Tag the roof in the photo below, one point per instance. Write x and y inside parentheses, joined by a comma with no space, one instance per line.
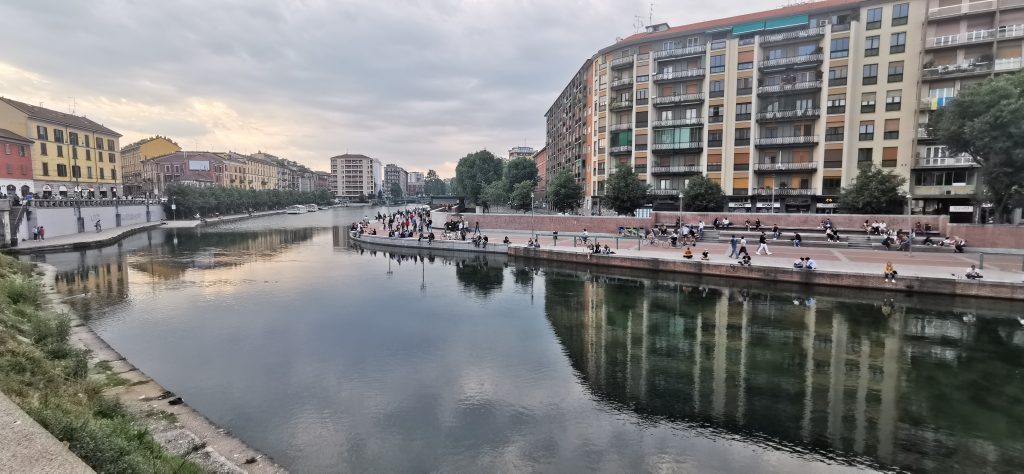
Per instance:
(354,155)
(810,7)
(146,140)
(191,155)
(14,137)
(59,118)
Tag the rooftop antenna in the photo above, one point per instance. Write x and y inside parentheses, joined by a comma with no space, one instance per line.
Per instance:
(638,23)
(72,106)
(650,14)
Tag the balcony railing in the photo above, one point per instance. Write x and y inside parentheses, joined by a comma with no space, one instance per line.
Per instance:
(615,127)
(679,52)
(798,86)
(681,122)
(666,192)
(955,10)
(791,60)
(922,133)
(1008,64)
(621,104)
(795,140)
(615,150)
(678,99)
(953,190)
(976,36)
(668,76)
(624,61)
(785,191)
(948,161)
(794,35)
(679,169)
(953,70)
(677,146)
(626,81)
(789,114)
(803,166)
(1010,31)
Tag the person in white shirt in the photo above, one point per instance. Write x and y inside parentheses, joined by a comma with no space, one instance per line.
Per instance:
(810,264)
(973,273)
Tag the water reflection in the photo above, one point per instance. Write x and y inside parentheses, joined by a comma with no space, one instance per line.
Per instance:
(907,386)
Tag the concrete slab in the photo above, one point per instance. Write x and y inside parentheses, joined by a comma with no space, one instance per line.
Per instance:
(25,446)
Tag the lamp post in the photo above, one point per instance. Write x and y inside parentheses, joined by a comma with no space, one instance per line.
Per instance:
(533,220)
(77,172)
(773,194)
(680,203)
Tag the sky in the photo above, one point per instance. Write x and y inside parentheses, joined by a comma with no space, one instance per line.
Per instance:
(417,83)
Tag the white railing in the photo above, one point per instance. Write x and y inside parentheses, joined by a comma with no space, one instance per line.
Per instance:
(678,52)
(676,146)
(1007,64)
(621,61)
(797,86)
(803,58)
(666,192)
(808,33)
(954,190)
(786,114)
(1010,31)
(627,81)
(796,140)
(676,169)
(953,10)
(682,122)
(1011,3)
(956,69)
(619,126)
(621,149)
(665,76)
(959,160)
(621,104)
(785,191)
(962,38)
(672,99)
(791,166)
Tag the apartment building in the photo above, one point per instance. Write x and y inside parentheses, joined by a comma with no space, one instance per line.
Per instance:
(356,176)
(568,130)
(782,107)
(132,157)
(71,153)
(417,181)
(394,174)
(541,160)
(521,152)
(15,164)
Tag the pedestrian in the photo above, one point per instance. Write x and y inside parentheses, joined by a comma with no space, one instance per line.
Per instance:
(700,227)
(476,229)
(763,244)
(42,233)
(775,232)
(743,248)
(890,272)
(796,239)
(732,246)
(35,233)
(584,236)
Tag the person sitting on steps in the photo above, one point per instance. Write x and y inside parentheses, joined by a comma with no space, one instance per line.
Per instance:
(688,254)
(890,272)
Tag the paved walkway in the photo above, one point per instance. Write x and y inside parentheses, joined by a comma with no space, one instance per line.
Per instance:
(25,446)
(83,239)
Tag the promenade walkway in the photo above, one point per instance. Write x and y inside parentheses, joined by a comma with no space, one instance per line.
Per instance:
(89,238)
(28,447)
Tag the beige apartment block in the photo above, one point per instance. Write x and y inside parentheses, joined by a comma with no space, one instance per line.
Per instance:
(132,158)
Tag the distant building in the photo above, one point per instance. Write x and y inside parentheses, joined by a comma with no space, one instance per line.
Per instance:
(417,181)
(132,157)
(322,181)
(541,160)
(15,164)
(356,176)
(193,168)
(396,174)
(521,152)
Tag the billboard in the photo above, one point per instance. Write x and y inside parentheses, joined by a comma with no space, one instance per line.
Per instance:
(198,165)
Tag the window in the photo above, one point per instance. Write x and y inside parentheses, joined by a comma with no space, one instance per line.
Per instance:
(834,134)
(717,44)
(840,48)
(113,174)
(41,132)
(870,74)
(46,169)
(717,88)
(715,114)
(836,104)
(102,172)
(88,172)
(900,12)
(85,139)
(641,96)
(693,41)
(641,122)
(833,159)
(745,65)
(837,76)
(58,135)
(42,149)
(714,138)
(60,151)
(643,78)
(99,143)
(88,154)
(717,63)
(73,137)
(99,156)
(867,102)
(893,100)
(895,71)
(874,18)
(897,43)
(76,171)
(744,85)
(864,156)
(110,156)
(21,150)
(892,129)
(62,170)
(867,130)
(890,155)
(743,111)
(742,136)
(871,45)
(7,148)
(74,153)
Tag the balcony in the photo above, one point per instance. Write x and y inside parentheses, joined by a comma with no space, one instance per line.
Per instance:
(959,161)
(784,166)
(1008,64)
(795,87)
(789,114)
(970,37)
(680,169)
(953,190)
(666,192)
(957,70)
(793,35)
(678,99)
(676,75)
(679,52)
(1010,31)
(621,83)
(784,192)
(682,122)
(615,127)
(621,104)
(787,141)
(621,150)
(962,9)
(795,61)
(622,62)
(922,133)
(677,146)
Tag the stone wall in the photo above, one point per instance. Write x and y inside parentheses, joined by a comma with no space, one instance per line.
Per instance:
(60,221)
(847,222)
(989,235)
(448,245)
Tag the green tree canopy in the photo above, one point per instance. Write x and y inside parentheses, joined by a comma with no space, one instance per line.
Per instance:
(522,196)
(434,185)
(396,191)
(520,169)
(564,193)
(874,191)
(624,192)
(703,195)
(494,194)
(205,201)
(475,171)
(986,121)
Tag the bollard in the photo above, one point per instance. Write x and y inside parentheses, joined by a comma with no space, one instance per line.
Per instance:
(616,243)
(981,261)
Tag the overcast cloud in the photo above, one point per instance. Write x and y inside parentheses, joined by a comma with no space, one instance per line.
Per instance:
(418,83)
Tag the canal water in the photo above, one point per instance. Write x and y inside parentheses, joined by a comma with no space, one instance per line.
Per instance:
(332,357)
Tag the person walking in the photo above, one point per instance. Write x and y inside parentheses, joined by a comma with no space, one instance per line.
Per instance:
(763,244)
(42,233)
(732,246)
(35,233)
(743,248)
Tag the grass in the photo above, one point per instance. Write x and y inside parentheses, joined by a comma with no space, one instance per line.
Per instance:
(51,380)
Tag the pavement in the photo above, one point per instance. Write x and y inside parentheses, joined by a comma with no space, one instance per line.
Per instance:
(87,238)
(28,447)
(1006,268)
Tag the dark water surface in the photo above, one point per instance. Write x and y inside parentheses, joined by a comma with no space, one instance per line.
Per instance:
(334,358)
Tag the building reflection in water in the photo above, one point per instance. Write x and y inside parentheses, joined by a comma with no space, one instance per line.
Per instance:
(920,389)
(89,287)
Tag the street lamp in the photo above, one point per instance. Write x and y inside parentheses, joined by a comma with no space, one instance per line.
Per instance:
(533,221)
(680,202)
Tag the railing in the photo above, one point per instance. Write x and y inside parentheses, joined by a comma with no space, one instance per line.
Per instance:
(957,69)
(620,126)
(790,35)
(922,133)
(954,10)
(679,122)
(1007,64)
(674,99)
(791,60)
(958,160)
(667,76)
(795,140)
(621,104)
(1011,3)
(969,37)
(785,192)
(797,86)
(1010,31)
(622,61)
(72,202)
(621,149)
(626,81)
(677,146)
(676,169)
(666,192)
(788,114)
(784,166)
(679,52)
(953,190)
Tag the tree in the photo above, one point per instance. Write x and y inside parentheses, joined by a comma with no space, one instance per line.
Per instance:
(396,191)
(986,121)
(703,195)
(624,192)
(874,191)
(434,185)
(522,196)
(475,171)
(519,170)
(564,192)
(494,194)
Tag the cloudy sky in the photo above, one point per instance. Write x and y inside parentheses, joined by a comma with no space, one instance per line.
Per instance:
(418,83)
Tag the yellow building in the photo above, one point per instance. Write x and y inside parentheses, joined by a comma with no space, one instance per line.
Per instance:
(257,172)
(132,156)
(70,152)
